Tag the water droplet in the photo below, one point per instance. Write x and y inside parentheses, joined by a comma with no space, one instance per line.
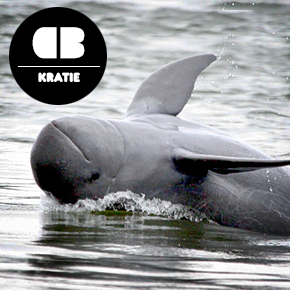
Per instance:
(271,189)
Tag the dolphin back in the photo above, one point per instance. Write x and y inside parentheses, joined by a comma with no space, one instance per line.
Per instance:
(168,89)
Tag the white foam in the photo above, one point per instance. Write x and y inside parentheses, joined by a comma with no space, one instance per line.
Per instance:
(127,200)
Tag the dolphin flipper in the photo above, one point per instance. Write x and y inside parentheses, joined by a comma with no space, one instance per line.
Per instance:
(191,163)
(168,89)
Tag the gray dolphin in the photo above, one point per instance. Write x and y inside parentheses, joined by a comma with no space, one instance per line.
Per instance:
(153,152)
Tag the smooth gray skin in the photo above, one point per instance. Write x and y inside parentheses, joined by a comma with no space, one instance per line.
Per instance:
(153,152)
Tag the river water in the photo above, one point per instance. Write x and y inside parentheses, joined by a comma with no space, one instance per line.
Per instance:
(246,93)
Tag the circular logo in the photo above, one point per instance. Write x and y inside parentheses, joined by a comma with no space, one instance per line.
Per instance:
(58,56)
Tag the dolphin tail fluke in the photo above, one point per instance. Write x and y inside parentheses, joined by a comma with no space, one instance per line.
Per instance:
(191,163)
(168,89)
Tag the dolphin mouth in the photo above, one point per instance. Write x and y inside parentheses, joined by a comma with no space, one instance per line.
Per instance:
(74,145)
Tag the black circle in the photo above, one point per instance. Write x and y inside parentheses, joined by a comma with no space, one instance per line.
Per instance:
(58,79)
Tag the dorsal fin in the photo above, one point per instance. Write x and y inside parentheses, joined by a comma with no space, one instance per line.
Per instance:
(167,90)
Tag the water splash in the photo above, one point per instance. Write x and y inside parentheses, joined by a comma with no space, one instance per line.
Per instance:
(124,200)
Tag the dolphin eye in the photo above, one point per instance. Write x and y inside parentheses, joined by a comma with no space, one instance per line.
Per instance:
(94,177)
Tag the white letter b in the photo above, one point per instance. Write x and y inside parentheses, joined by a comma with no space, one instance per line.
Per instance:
(70,42)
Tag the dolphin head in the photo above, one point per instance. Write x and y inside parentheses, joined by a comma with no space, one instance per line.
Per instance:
(77,157)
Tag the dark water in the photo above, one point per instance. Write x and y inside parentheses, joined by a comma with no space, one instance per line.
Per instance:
(246,93)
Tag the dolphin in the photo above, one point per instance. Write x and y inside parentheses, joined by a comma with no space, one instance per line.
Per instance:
(153,152)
